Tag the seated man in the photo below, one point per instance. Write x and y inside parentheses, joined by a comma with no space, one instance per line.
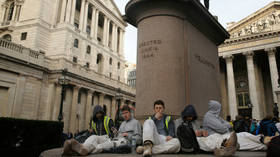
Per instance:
(102,128)
(130,128)
(158,133)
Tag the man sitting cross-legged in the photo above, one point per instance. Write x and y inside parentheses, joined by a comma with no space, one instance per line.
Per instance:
(158,133)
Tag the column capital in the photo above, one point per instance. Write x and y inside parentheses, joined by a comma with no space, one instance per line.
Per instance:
(90,91)
(248,53)
(271,50)
(77,87)
(228,57)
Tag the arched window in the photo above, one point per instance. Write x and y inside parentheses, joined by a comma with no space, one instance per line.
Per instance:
(119,65)
(76,43)
(110,61)
(99,62)
(7,37)
(88,49)
(11,10)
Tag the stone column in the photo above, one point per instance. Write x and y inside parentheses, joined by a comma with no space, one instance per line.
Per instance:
(273,71)
(50,101)
(104,40)
(252,85)
(96,24)
(19,96)
(68,11)
(231,87)
(82,15)
(113,45)
(121,42)
(57,102)
(88,108)
(73,112)
(63,8)
(114,108)
(278,99)
(85,18)
(108,32)
(55,15)
(92,25)
(73,11)
(101,99)
(4,10)
(67,109)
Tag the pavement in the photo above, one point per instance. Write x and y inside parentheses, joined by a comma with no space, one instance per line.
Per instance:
(57,153)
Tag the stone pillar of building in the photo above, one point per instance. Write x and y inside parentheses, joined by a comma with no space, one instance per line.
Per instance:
(114,107)
(19,96)
(73,11)
(121,42)
(256,113)
(278,99)
(231,87)
(273,71)
(85,17)
(82,15)
(113,45)
(4,10)
(88,108)
(104,40)
(68,11)
(73,112)
(56,102)
(101,99)
(96,24)
(62,14)
(67,109)
(92,25)
(50,101)
(39,91)
(108,32)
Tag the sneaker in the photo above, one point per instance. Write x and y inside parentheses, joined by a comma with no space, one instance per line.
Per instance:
(232,141)
(140,150)
(79,148)
(147,149)
(225,151)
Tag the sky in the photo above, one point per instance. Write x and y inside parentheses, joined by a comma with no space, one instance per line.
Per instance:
(226,10)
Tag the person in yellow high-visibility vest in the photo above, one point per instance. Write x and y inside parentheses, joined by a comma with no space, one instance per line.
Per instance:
(158,133)
(102,128)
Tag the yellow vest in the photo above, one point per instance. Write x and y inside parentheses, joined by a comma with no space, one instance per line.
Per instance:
(106,125)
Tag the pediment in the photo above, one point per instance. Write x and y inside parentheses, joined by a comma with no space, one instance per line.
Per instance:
(111,5)
(264,20)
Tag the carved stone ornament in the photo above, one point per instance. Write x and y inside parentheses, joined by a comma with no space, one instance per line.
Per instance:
(263,24)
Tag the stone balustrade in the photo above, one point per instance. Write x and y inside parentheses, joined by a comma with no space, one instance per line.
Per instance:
(20,52)
(89,74)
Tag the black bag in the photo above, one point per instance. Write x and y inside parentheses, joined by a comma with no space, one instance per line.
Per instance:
(82,136)
(187,138)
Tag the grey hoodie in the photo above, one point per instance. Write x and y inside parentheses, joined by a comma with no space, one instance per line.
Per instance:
(133,128)
(212,122)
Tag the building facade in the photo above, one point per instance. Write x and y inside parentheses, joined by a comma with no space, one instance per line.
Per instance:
(130,74)
(48,43)
(249,63)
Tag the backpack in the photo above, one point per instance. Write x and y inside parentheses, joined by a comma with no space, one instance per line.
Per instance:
(187,138)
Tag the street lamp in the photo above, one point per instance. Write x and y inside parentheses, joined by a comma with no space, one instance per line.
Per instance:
(63,81)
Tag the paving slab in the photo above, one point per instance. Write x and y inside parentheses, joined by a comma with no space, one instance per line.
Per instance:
(57,153)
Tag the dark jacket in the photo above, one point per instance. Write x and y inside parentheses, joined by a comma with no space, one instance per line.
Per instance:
(189,111)
(171,128)
(240,126)
(100,123)
(267,127)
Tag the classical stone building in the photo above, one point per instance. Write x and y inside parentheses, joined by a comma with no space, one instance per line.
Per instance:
(130,74)
(49,42)
(249,63)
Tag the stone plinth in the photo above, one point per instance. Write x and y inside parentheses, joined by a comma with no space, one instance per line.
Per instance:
(177,55)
